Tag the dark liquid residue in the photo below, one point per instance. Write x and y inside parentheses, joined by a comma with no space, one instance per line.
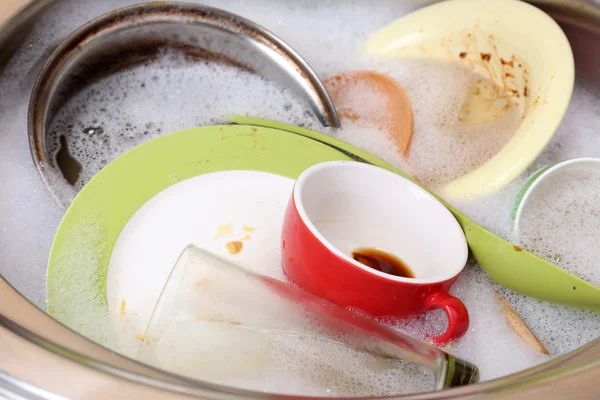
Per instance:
(68,165)
(382,261)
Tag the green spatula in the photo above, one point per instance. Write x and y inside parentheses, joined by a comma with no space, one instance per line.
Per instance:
(507,264)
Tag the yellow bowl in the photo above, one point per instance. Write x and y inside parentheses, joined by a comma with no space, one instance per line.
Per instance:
(517,46)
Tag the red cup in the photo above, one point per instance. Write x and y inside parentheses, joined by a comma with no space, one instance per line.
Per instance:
(340,206)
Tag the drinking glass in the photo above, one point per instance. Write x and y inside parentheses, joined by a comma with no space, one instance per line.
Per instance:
(220,323)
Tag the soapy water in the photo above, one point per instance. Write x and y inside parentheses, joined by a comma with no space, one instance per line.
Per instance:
(103,120)
(569,235)
(442,148)
(327,36)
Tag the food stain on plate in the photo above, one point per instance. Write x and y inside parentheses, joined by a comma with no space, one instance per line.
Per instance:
(223,230)
(122,308)
(234,247)
(375,99)
(485,102)
(504,83)
(201,284)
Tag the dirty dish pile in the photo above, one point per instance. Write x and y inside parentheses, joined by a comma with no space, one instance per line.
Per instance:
(420,115)
(215,187)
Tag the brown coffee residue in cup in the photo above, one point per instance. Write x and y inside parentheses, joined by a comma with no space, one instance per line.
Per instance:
(382,261)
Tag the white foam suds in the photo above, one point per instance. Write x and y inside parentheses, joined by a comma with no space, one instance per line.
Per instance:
(328,36)
(123,110)
(560,221)
(442,148)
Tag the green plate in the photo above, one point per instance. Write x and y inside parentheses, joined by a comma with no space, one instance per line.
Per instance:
(76,288)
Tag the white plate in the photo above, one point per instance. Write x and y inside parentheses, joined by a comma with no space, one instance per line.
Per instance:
(209,211)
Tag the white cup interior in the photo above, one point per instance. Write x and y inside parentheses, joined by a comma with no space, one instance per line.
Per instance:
(351,205)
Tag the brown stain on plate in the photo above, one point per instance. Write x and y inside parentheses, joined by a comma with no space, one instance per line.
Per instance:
(201,284)
(223,230)
(507,78)
(234,247)
(517,248)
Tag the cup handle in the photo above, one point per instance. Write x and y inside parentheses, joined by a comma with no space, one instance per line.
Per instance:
(458,316)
